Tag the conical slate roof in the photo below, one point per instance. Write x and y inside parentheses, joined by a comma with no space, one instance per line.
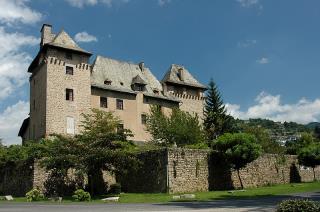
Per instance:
(173,75)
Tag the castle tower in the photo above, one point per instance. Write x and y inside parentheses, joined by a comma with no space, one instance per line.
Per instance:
(60,86)
(179,83)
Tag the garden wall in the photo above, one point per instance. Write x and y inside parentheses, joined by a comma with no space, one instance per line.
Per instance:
(173,170)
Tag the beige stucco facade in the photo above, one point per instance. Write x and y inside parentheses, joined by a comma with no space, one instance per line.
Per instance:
(53,110)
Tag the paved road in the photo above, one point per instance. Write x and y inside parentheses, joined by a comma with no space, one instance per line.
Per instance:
(258,204)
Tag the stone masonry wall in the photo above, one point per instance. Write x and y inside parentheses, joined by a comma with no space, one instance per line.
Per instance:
(187,170)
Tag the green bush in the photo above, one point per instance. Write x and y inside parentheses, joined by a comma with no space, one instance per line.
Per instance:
(34,195)
(115,188)
(298,205)
(81,195)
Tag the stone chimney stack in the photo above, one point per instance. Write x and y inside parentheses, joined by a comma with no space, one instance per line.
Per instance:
(46,34)
(181,73)
(141,66)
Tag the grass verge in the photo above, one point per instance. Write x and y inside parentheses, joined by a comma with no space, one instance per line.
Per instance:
(204,196)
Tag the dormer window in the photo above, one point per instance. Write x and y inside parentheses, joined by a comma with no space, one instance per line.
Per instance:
(138,83)
(155,91)
(69,70)
(107,82)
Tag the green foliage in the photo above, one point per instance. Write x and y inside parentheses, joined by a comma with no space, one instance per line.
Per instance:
(263,138)
(317,132)
(81,195)
(293,147)
(310,156)
(98,147)
(298,205)
(216,120)
(237,150)
(34,195)
(180,128)
(115,188)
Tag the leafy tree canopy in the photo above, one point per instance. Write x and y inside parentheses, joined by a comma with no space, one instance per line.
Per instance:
(238,150)
(180,128)
(310,156)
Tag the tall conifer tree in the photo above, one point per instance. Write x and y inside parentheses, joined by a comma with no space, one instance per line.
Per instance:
(216,120)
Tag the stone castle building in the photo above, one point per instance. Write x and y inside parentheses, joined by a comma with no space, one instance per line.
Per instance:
(63,85)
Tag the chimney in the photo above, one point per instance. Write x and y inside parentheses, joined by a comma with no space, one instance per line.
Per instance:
(141,66)
(46,34)
(181,73)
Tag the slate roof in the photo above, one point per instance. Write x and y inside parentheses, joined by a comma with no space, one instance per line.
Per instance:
(173,76)
(63,40)
(123,74)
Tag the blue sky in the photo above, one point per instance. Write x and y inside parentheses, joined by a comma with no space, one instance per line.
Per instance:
(263,54)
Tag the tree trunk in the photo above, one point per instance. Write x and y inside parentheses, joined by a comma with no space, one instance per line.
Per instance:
(314,174)
(240,178)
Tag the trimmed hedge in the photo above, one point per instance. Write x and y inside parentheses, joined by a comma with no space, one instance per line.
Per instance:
(298,205)
(81,195)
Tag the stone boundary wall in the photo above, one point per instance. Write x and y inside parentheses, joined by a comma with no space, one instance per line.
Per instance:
(173,170)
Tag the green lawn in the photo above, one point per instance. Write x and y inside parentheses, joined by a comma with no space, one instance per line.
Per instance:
(207,196)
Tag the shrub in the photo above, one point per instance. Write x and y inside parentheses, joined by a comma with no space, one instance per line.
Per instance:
(298,205)
(34,195)
(81,195)
(115,188)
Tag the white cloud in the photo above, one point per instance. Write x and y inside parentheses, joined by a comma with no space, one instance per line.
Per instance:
(10,121)
(163,2)
(85,37)
(263,60)
(248,3)
(16,11)
(13,61)
(247,43)
(270,107)
(83,3)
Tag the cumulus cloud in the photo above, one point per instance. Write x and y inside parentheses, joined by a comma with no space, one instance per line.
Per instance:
(83,3)
(247,43)
(263,60)
(85,37)
(270,107)
(248,3)
(13,61)
(16,11)
(10,121)
(163,2)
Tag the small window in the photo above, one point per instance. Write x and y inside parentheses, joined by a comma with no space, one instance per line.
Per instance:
(34,104)
(119,104)
(69,70)
(107,82)
(143,118)
(103,102)
(139,87)
(69,55)
(156,92)
(69,94)
(70,125)
(120,128)
(121,83)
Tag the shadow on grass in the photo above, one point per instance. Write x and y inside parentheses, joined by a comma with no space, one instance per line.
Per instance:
(258,202)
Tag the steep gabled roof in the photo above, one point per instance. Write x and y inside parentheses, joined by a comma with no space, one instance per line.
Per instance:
(63,40)
(173,75)
(123,74)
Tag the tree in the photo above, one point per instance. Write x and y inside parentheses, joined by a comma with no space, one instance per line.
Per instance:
(99,146)
(216,120)
(317,132)
(310,156)
(238,150)
(293,147)
(180,128)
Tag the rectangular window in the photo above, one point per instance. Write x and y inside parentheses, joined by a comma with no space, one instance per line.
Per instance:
(69,55)
(120,128)
(143,118)
(69,94)
(70,125)
(119,104)
(103,102)
(69,70)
